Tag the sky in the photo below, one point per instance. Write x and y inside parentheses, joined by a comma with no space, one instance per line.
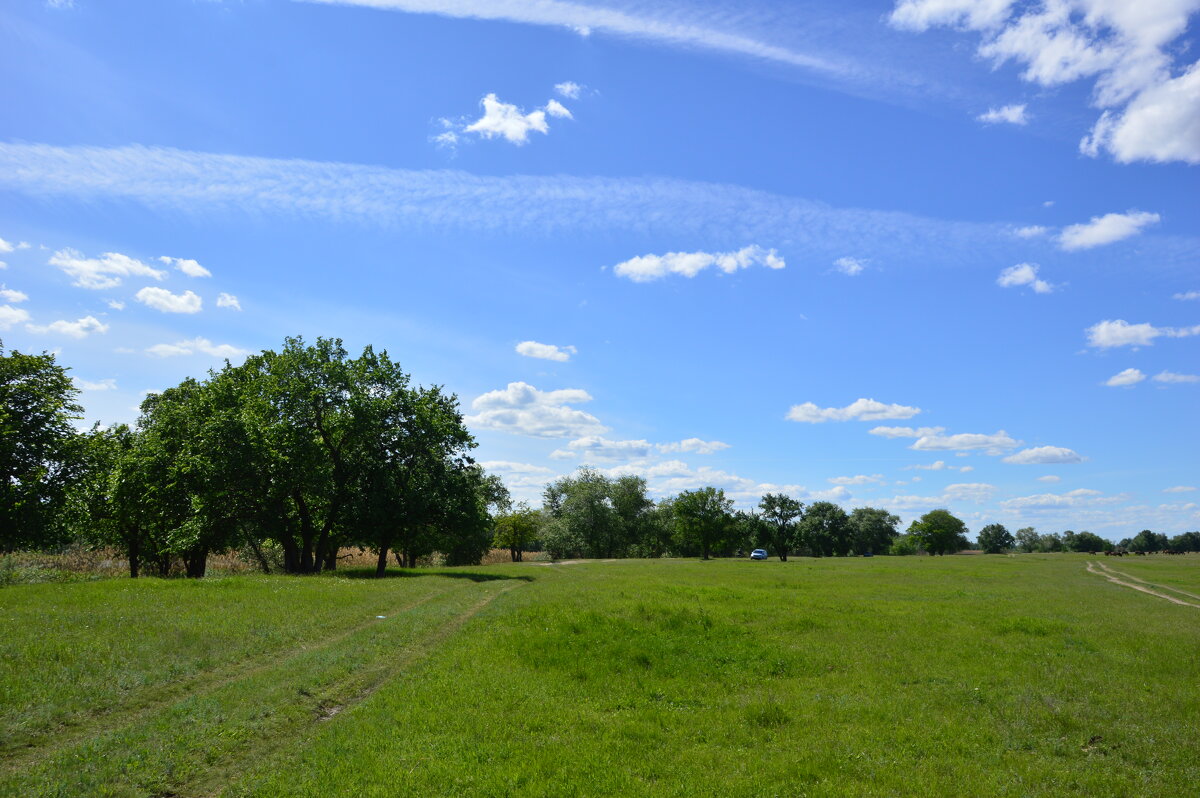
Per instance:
(907,254)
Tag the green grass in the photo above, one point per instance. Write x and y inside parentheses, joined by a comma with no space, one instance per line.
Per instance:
(886,676)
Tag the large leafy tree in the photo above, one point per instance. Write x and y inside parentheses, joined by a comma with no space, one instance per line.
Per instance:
(40,451)
(516,529)
(779,514)
(703,519)
(825,529)
(872,530)
(1028,540)
(995,539)
(939,532)
(587,521)
(1142,541)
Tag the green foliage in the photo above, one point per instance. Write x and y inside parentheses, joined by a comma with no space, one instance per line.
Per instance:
(516,529)
(1188,541)
(905,546)
(1085,542)
(825,530)
(939,532)
(1147,541)
(995,539)
(591,515)
(872,530)
(39,450)
(704,520)
(779,531)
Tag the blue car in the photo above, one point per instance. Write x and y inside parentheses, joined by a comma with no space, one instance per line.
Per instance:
(758,554)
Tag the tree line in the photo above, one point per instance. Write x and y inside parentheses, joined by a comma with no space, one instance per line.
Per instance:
(295,455)
(303,451)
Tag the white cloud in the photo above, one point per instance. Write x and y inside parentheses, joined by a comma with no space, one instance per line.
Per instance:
(228,301)
(1180,489)
(1032,231)
(545,351)
(711,31)
(9,295)
(1010,114)
(1187,296)
(857,479)
(1049,478)
(164,300)
(976,492)
(196,345)
(510,467)
(80,328)
(1175,378)
(1126,377)
(858,410)
(557,109)
(109,384)
(601,449)
(694,446)
(447,139)
(1151,111)
(569,89)
(10,316)
(1050,501)
(524,410)
(1044,455)
(189,267)
(939,465)
(1107,334)
(507,121)
(1106,229)
(850,266)
(115,304)
(1161,124)
(645,268)
(1024,274)
(906,432)
(103,272)
(5,247)
(993,444)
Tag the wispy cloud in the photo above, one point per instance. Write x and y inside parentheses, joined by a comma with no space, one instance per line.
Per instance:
(81,328)
(1111,333)
(1024,274)
(709,32)
(1008,114)
(858,410)
(646,268)
(194,346)
(724,215)
(1106,229)
(560,354)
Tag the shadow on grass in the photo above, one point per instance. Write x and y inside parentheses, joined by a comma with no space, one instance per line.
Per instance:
(398,573)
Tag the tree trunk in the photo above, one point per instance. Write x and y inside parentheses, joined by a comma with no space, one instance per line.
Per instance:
(258,555)
(195,563)
(291,555)
(331,559)
(134,552)
(381,563)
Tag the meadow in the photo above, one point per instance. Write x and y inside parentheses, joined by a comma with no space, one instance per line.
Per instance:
(981,675)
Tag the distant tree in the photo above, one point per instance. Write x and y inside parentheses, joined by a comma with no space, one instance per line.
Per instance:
(1148,541)
(583,503)
(825,529)
(1086,542)
(516,529)
(39,448)
(1027,539)
(872,530)
(939,532)
(634,511)
(1188,541)
(995,539)
(779,529)
(905,545)
(703,519)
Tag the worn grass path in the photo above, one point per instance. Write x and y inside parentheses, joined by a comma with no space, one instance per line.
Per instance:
(1013,676)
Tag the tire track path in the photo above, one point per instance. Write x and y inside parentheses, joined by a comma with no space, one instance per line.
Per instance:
(1145,587)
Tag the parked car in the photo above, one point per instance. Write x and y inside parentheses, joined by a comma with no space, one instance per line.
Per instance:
(758,554)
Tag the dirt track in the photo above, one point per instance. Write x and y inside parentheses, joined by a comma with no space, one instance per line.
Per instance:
(1119,578)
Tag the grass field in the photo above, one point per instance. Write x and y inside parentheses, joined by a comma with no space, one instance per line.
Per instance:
(995,675)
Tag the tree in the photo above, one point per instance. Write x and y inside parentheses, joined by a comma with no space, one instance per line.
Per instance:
(516,529)
(1085,542)
(872,530)
(1027,540)
(995,539)
(1187,541)
(779,514)
(596,516)
(703,518)
(39,448)
(939,532)
(825,528)
(1147,541)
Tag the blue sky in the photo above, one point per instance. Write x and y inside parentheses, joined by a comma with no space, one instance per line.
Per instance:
(907,254)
